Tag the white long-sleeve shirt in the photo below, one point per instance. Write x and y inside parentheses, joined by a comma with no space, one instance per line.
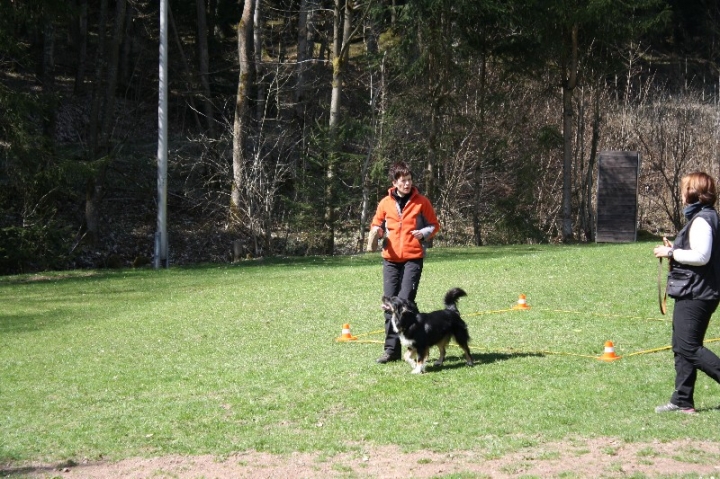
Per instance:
(701,240)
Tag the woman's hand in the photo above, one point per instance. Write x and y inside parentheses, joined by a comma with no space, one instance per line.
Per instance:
(663,250)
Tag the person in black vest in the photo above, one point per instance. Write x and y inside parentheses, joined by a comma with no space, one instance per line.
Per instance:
(694,283)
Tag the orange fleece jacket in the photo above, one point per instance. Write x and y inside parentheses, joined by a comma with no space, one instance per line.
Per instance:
(399,244)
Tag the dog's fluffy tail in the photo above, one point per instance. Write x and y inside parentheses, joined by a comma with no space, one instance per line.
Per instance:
(451,298)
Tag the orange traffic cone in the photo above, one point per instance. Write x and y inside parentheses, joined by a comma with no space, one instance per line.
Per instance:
(522,303)
(346,336)
(609,354)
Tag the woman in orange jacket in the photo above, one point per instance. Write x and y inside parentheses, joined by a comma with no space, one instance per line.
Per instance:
(405,220)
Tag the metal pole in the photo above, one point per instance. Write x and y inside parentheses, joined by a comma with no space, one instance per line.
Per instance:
(161,239)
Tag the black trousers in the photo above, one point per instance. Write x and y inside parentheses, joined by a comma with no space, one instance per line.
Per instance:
(690,322)
(402,280)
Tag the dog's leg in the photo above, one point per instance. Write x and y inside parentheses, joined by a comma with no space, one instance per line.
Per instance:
(421,360)
(462,337)
(468,357)
(442,346)
(409,354)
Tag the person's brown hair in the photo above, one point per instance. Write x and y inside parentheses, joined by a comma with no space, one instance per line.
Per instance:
(699,187)
(398,170)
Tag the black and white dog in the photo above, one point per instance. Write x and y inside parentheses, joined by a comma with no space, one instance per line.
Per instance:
(421,331)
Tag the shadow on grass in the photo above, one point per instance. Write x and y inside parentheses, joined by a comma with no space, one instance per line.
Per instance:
(21,323)
(436,254)
(708,409)
(489,358)
(455,362)
(33,471)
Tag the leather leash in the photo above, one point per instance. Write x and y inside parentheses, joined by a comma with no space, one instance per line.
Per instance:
(662,298)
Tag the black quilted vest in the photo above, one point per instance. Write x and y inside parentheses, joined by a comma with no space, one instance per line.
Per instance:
(705,279)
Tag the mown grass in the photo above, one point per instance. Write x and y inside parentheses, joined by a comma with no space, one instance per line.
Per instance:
(219,359)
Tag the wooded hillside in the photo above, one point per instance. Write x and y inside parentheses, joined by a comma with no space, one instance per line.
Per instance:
(286,114)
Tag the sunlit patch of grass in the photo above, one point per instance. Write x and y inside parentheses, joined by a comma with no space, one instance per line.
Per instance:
(548,455)
(692,455)
(647,452)
(568,475)
(610,451)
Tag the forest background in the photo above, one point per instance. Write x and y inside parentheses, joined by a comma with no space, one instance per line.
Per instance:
(285,115)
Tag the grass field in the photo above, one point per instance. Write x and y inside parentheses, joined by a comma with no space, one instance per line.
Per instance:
(225,358)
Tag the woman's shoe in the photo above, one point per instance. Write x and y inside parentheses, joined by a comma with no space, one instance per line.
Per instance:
(387,357)
(670,407)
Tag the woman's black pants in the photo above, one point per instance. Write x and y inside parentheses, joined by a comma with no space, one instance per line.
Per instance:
(690,322)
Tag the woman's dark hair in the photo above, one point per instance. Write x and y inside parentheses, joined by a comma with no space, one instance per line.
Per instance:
(699,187)
(398,170)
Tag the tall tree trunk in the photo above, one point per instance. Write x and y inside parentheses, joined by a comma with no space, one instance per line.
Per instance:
(94,182)
(112,73)
(302,58)
(376,120)
(211,21)
(371,36)
(305,55)
(48,73)
(342,34)
(569,84)
(347,29)
(240,124)
(588,219)
(100,58)
(477,170)
(337,63)
(126,55)
(259,67)
(204,56)
(81,40)
(189,73)
(437,45)
(312,6)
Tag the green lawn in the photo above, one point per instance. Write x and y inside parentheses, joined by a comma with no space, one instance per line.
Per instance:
(219,359)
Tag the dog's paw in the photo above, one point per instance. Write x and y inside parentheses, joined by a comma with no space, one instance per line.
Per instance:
(470,363)
(438,363)
(417,370)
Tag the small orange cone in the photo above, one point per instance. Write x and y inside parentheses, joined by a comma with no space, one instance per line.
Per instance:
(346,336)
(609,353)
(522,303)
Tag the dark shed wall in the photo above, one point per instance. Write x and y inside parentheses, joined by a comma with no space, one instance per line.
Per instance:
(617,203)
